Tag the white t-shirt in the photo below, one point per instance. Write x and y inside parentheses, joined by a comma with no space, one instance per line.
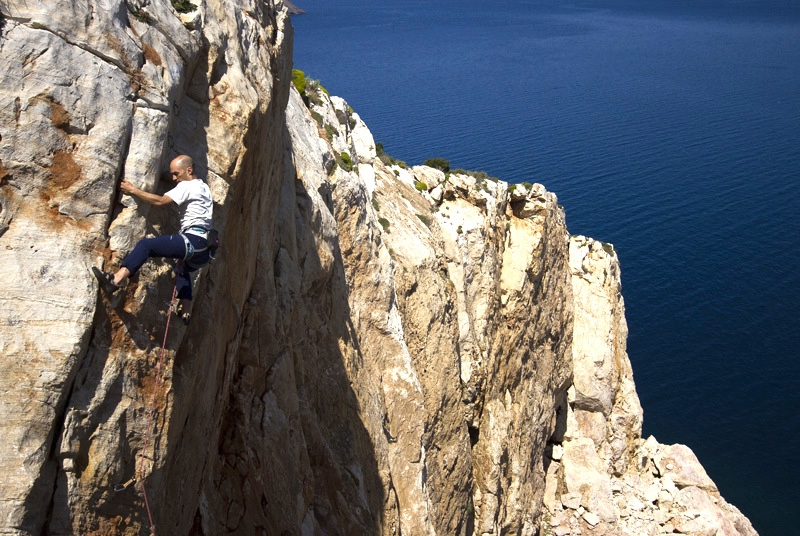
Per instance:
(194,199)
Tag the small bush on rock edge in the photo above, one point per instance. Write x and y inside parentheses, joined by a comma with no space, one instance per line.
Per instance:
(380,153)
(312,91)
(345,162)
(142,16)
(330,131)
(299,80)
(183,6)
(438,163)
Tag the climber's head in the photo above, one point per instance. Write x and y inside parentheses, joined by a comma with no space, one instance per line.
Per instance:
(182,168)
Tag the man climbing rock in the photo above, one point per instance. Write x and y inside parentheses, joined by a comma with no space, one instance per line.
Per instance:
(190,245)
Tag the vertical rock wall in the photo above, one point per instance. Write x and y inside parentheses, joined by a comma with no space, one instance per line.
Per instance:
(602,477)
(92,92)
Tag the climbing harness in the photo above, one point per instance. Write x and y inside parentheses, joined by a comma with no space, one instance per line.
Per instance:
(190,249)
(150,413)
(212,243)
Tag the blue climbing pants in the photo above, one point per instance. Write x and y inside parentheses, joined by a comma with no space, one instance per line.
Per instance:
(170,247)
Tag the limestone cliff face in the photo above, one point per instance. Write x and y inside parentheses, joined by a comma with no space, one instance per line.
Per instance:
(367,355)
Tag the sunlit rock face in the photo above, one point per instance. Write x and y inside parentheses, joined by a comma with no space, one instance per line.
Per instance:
(377,349)
(92,92)
(602,477)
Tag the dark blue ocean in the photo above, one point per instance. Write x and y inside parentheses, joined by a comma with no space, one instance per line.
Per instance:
(670,128)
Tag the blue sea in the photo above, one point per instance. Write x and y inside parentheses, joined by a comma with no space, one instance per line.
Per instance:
(670,128)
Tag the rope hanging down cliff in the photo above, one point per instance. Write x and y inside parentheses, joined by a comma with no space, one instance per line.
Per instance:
(139,475)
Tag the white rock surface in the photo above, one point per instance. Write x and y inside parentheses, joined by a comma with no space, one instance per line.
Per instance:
(654,488)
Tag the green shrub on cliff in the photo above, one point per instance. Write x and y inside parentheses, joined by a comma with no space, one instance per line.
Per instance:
(438,163)
(308,88)
(142,16)
(479,175)
(299,80)
(330,131)
(388,160)
(183,6)
(312,91)
(345,162)
(379,152)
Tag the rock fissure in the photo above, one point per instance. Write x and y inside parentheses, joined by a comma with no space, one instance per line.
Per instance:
(119,64)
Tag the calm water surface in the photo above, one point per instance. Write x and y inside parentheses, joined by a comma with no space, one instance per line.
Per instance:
(668,128)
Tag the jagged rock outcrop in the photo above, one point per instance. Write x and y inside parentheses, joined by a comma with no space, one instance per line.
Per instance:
(602,478)
(376,350)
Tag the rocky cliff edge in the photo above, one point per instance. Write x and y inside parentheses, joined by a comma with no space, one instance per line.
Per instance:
(376,350)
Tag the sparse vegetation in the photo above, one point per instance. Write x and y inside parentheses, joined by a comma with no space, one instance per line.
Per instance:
(479,175)
(385,158)
(384,223)
(344,161)
(308,87)
(299,80)
(317,117)
(375,204)
(420,186)
(438,163)
(330,132)
(424,219)
(142,16)
(183,6)
(312,91)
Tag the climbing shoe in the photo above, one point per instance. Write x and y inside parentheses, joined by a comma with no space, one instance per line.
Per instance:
(183,313)
(106,280)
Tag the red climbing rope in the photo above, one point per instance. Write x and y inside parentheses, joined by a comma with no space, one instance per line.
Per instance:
(151,411)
